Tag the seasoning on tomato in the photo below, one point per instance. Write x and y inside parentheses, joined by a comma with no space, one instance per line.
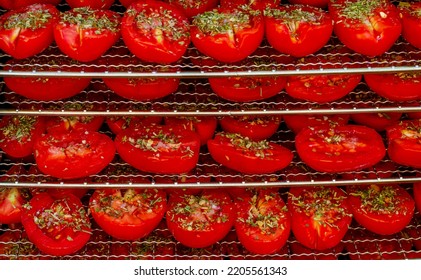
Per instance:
(19,133)
(57,225)
(251,4)
(297,30)
(247,156)
(159,149)
(93,4)
(194,7)
(340,148)
(382,209)
(320,216)
(74,154)
(16,4)
(410,13)
(27,31)
(404,143)
(299,122)
(227,35)
(256,128)
(128,214)
(204,126)
(85,34)
(315,3)
(263,223)
(368,27)
(155,31)
(45,88)
(377,121)
(200,220)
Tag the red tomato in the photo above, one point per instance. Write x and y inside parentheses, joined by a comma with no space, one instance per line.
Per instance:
(227,35)
(128,214)
(93,4)
(410,14)
(155,31)
(194,7)
(74,154)
(320,216)
(12,199)
(399,86)
(159,149)
(85,34)
(127,3)
(417,195)
(56,225)
(256,128)
(253,4)
(250,157)
(263,223)
(16,4)
(365,26)
(45,88)
(315,3)
(27,31)
(204,126)
(19,133)
(404,146)
(297,30)
(201,220)
(377,121)
(299,122)
(322,88)
(340,148)
(414,115)
(382,209)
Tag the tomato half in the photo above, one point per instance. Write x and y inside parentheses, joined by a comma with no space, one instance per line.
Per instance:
(93,4)
(320,216)
(204,126)
(404,143)
(58,225)
(410,14)
(377,121)
(263,223)
(299,122)
(297,30)
(365,26)
(19,133)
(128,214)
(200,220)
(85,34)
(382,209)
(45,88)
(27,31)
(155,31)
(159,149)
(256,128)
(227,35)
(252,4)
(16,4)
(194,7)
(315,3)
(340,148)
(250,157)
(74,154)
(12,199)
(417,195)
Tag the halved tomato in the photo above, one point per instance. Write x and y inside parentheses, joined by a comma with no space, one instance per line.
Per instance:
(252,4)
(256,128)
(204,126)
(377,121)
(193,7)
(299,122)
(410,14)
(315,3)
(93,4)
(16,4)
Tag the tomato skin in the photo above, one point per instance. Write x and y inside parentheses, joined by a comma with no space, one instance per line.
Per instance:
(19,133)
(206,226)
(93,4)
(299,122)
(204,126)
(26,41)
(297,36)
(257,128)
(109,208)
(230,150)
(74,154)
(315,3)
(222,46)
(253,4)
(192,8)
(396,87)
(155,43)
(340,148)
(268,238)
(164,157)
(381,209)
(417,195)
(377,121)
(323,225)
(404,145)
(81,40)
(62,239)
(373,33)
(16,4)
(411,23)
